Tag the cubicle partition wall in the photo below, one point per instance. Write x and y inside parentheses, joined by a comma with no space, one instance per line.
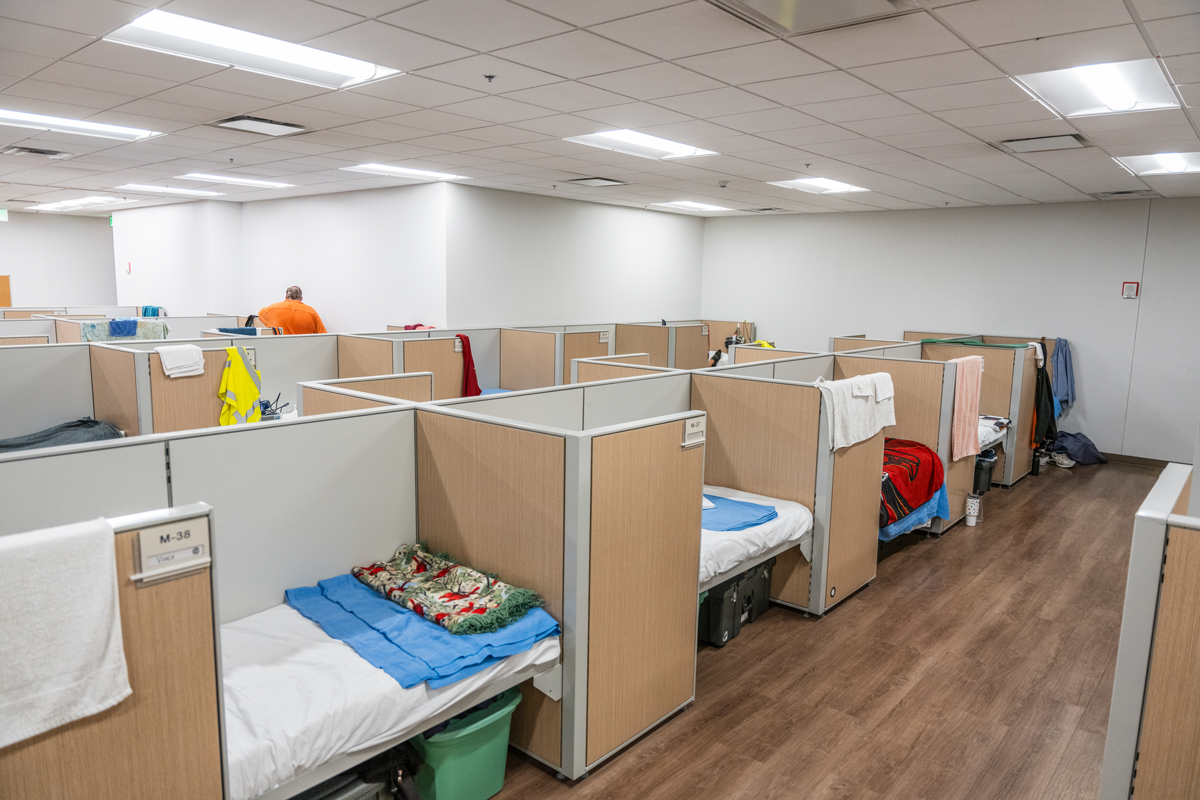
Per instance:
(746,353)
(841,344)
(44,385)
(720,330)
(67,329)
(678,346)
(589,370)
(917,336)
(353,394)
(40,329)
(27,312)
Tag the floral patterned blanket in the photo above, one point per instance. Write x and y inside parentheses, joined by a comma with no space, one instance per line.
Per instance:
(458,598)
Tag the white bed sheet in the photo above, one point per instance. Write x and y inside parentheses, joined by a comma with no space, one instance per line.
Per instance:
(988,436)
(724,550)
(296,698)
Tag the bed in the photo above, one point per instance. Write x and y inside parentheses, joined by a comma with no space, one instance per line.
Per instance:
(913,489)
(724,554)
(79,431)
(992,430)
(297,699)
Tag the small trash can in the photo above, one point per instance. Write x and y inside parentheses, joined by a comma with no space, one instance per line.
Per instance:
(466,761)
(720,614)
(985,462)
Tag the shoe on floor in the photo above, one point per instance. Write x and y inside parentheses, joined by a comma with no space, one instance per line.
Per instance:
(1063,460)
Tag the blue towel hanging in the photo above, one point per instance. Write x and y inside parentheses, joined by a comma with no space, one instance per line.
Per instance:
(122,327)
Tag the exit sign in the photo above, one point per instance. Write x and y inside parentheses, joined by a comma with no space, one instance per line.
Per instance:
(3,215)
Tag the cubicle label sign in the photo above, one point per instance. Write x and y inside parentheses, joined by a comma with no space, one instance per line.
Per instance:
(603,337)
(174,544)
(457,345)
(693,431)
(704,329)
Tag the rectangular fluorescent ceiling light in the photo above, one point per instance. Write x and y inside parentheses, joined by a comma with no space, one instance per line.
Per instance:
(1043,143)
(267,127)
(404,172)
(1116,88)
(173,34)
(200,176)
(688,205)
(38,122)
(1161,163)
(819,186)
(139,187)
(75,205)
(639,144)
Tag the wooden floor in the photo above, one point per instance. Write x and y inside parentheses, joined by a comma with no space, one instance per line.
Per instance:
(978,665)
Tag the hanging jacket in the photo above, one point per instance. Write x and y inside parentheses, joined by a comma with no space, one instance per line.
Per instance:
(470,387)
(1044,425)
(1064,372)
(241,385)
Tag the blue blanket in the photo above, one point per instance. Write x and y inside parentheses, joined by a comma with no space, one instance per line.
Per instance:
(734,515)
(242,331)
(404,644)
(122,326)
(496,391)
(937,506)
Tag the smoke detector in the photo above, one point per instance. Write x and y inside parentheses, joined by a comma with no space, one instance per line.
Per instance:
(13,150)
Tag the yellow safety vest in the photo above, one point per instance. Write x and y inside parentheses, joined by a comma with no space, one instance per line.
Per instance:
(764,343)
(241,386)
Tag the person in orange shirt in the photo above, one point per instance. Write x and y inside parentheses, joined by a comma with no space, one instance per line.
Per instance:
(292,316)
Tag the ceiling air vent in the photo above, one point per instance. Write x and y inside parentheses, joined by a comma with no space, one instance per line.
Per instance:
(266,127)
(57,155)
(792,17)
(596,182)
(1133,194)
(1043,143)
(762,210)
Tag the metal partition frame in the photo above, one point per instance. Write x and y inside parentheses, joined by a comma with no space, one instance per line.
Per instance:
(1142,590)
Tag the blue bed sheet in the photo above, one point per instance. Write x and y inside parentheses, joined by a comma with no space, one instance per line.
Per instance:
(404,644)
(496,391)
(937,506)
(734,515)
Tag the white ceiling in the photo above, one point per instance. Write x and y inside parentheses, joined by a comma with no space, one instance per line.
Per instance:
(903,107)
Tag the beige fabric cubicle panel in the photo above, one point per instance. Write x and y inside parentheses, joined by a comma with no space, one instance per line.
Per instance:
(720,330)
(1023,450)
(591,371)
(161,741)
(641,359)
(762,437)
(916,336)
(114,388)
(918,387)
(995,394)
(652,339)
(691,347)
(417,388)
(841,345)
(5,291)
(1049,343)
(854,518)
(360,358)
(66,332)
(12,340)
(26,314)
(436,356)
(526,359)
(184,404)
(586,344)
(745,355)
(317,402)
(645,533)
(1167,767)
(492,497)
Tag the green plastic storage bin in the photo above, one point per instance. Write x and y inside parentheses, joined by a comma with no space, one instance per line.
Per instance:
(466,761)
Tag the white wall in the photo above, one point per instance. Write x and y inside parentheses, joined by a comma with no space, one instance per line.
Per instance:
(57,260)
(1052,270)
(363,259)
(186,257)
(523,259)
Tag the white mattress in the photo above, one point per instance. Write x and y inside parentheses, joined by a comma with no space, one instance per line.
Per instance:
(988,436)
(296,698)
(723,550)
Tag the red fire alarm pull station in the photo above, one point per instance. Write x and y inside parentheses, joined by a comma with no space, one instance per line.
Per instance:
(1129,290)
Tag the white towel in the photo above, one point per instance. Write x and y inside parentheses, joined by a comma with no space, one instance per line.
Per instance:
(181,360)
(856,418)
(61,627)
(1041,355)
(876,385)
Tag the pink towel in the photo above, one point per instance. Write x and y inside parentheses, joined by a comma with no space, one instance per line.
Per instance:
(964,436)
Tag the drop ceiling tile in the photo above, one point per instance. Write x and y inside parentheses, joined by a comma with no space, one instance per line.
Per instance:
(342,141)
(754,63)
(1084,158)
(563,125)
(357,105)
(504,135)
(816,134)
(775,119)
(988,22)
(1157,9)
(307,116)
(16,66)
(940,152)
(1024,111)
(965,95)
(499,110)
(893,126)
(389,46)
(872,107)
(478,24)
(438,121)
(653,80)
(448,142)
(505,153)
(1158,140)
(470,72)
(922,73)
(91,17)
(848,147)
(1184,69)
(692,131)
(634,115)
(64,94)
(1175,36)
(1089,181)
(986,166)
(384,131)
(40,40)
(716,102)
(684,30)
(155,109)
(912,141)
(417,91)
(746,146)
(1191,94)
(291,20)
(576,55)
(904,37)
(1021,130)
(368,8)
(585,13)
(254,84)
(817,88)
(223,103)
(1175,185)
(1143,119)
(392,149)
(882,157)
(135,60)
(1124,43)
(568,96)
